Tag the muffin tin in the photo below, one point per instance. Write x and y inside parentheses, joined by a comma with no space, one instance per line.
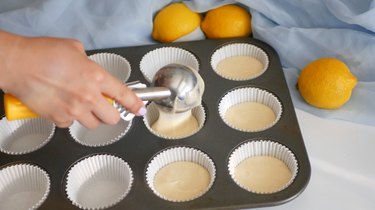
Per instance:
(136,146)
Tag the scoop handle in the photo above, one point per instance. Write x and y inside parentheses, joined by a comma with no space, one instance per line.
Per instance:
(16,110)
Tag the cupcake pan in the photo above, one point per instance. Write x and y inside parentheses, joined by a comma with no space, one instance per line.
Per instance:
(138,145)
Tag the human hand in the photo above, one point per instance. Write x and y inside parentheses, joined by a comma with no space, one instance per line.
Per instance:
(55,79)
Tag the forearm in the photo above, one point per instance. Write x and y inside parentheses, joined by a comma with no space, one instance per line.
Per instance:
(8,47)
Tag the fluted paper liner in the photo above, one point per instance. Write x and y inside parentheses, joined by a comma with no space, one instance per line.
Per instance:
(263,148)
(115,64)
(250,94)
(98,182)
(23,186)
(24,136)
(239,49)
(177,154)
(103,135)
(160,57)
(152,115)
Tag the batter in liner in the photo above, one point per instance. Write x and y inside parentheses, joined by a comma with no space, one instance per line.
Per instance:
(175,124)
(240,67)
(181,181)
(262,174)
(250,116)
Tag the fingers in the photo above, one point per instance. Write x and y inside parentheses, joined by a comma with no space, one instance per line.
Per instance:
(101,110)
(105,111)
(77,44)
(89,120)
(88,104)
(61,121)
(118,91)
(63,124)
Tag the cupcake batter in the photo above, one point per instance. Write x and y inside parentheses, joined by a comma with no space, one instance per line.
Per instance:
(175,124)
(240,67)
(262,174)
(249,116)
(181,181)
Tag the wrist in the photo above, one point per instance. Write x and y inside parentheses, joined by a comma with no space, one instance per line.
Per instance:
(8,47)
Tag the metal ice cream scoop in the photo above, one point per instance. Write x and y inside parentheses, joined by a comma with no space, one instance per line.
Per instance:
(185,84)
(175,87)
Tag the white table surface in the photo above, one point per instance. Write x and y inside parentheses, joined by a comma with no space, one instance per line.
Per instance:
(342,157)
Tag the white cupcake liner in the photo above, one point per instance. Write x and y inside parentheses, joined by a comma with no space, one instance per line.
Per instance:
(263,148)
(160,57)
(250,94)
(23,186)
(152,115)
(115,64)
(239,49)
(98,182)
(177,154)
(101,136)
(24,136)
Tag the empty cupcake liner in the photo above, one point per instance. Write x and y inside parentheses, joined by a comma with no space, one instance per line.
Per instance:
(102,135)
(24,136)
(263,148)
(160,57)
(177,154)
(98,182)
(250,94)
(115,64)
(23,186)
(152,115)
(239,49)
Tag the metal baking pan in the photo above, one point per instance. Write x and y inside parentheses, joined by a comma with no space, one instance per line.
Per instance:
(216,139)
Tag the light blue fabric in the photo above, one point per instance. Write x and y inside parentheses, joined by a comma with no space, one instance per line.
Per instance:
(300,31)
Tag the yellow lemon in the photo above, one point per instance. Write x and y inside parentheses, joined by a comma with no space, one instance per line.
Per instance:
(326,83)
(227,21)
(173,22)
